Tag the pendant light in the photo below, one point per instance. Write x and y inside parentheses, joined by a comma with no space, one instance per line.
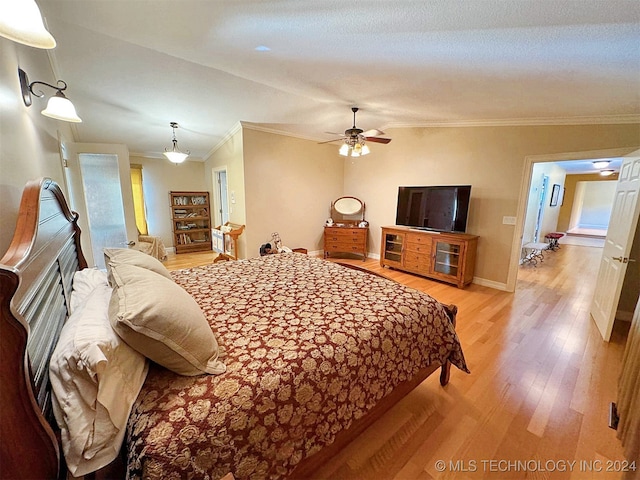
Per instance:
(174,154)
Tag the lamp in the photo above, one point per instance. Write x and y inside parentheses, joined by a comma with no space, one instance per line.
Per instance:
(607,173)
(22,22)
(600,163)
(354,146)
(58,106)
(175,155)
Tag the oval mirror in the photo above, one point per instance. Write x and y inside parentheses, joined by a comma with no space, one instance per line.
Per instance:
(347,205)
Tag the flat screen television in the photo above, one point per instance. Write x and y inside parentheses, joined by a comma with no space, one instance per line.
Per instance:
(437,208)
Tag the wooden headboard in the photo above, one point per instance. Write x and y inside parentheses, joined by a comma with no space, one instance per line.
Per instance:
(36,275)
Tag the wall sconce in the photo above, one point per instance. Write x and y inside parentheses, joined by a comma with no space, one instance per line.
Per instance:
(22,22)
(58,106)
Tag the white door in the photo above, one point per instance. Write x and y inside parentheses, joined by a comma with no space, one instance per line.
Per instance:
(615,255)
(221,191)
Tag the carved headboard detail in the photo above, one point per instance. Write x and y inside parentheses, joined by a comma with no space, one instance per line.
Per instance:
(36,275)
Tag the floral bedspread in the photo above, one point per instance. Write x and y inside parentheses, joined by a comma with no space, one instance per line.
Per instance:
(310,346)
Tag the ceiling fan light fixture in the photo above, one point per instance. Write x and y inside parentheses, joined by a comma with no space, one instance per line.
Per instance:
(344,150)
(174,154)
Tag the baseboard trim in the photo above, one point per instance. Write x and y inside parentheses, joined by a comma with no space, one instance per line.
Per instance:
(490,283)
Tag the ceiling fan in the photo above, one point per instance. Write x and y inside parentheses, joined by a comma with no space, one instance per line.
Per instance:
(355,139)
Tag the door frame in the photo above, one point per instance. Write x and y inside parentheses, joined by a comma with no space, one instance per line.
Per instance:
(525,186)
(215,171)
(75,187)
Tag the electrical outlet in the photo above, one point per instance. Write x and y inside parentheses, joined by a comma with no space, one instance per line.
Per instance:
(508,220)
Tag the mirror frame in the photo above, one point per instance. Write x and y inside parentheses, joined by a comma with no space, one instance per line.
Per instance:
(353,201)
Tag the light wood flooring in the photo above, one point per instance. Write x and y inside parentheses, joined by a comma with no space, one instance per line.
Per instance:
(540,385)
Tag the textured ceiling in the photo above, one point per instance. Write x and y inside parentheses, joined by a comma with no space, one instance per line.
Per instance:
(134,66)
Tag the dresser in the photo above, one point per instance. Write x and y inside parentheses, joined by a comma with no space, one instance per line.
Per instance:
(449,257)
(346,239)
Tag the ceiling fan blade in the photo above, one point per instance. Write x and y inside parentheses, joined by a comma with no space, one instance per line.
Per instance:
(329,141)
(373,133)
(378,140)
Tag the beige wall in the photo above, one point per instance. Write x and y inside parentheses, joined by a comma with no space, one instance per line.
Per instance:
(28,140)
(159,177)
(570,184)
(230,156)
(289,186)
(491,159)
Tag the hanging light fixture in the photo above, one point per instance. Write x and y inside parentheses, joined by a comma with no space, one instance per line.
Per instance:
(600,163)
(175,155)
(21,21)
(58,106)
(354,142)
(354,146)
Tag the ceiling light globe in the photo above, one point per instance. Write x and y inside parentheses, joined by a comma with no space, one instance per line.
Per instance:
(22,22)
(601,163)
(606,173)
(176,157)
(61,108)
(344,150)
(365,150)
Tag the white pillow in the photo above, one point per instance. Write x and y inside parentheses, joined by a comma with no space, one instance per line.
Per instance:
(84,282)
(95,378)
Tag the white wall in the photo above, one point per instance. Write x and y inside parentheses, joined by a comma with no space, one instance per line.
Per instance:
(28,140)
(594,201)
(549,222)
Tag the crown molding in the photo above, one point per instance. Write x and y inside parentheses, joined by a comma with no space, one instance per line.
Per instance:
(512,122)
(275,131)
(232,131)
(520,122)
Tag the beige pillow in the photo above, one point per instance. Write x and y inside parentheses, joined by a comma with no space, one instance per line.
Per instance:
(120,256)
(162,321)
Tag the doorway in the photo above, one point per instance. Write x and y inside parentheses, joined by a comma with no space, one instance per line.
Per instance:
(221,199)
(525,198)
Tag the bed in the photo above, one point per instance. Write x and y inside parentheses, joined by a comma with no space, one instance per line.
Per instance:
(313,353)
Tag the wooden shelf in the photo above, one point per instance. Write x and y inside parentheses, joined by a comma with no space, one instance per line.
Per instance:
(190,208)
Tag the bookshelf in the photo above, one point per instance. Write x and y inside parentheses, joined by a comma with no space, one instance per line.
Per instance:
(190,221)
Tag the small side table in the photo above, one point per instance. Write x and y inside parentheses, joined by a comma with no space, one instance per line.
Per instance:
(533,252)
(553,238)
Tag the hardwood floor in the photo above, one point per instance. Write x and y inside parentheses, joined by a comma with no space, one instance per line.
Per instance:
(540,385)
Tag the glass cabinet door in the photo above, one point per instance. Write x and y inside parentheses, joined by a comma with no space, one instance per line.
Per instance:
(447,258)
(393,247)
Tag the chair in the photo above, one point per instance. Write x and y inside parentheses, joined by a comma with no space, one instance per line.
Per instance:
(151,245)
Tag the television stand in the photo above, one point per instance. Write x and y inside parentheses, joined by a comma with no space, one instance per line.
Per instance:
(449,257)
